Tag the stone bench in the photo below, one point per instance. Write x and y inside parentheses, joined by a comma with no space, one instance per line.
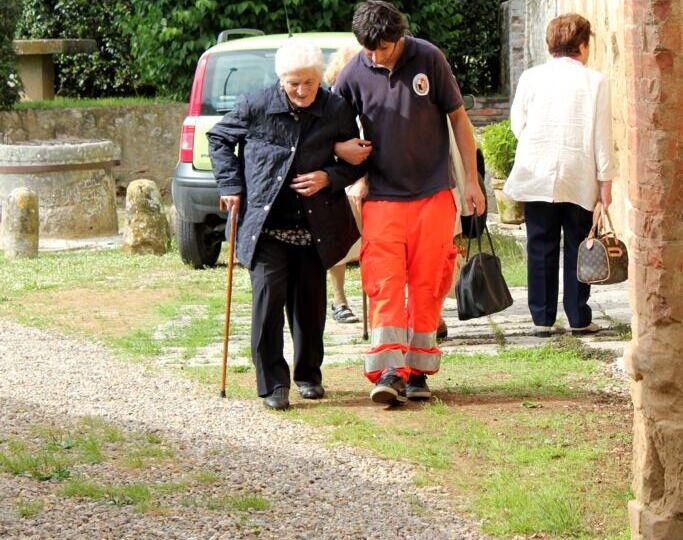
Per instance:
(36,65)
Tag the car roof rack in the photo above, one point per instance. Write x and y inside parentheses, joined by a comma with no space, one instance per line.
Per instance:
(225,34)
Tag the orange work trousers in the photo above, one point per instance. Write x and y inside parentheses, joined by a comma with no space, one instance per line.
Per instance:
(406,246)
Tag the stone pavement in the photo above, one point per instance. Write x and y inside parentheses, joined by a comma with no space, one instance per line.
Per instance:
(510,328)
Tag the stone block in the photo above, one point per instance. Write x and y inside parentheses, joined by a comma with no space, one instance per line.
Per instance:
(20,224)
(146,230)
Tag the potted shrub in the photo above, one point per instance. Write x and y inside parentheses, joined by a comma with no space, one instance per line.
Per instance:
(498,144)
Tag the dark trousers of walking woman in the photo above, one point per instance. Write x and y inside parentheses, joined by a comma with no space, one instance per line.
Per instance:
(546,223)
(289,278)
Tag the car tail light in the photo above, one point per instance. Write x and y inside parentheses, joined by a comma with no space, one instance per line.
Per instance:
(194,110)
(187,140)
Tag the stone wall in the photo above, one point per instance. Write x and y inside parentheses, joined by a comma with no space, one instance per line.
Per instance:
(512,22)
(488,109)
(146,136)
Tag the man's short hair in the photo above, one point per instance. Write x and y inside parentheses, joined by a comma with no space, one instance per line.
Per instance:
(566,33)
(375,21)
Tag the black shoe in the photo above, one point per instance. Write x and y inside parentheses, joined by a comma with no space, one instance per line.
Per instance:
(442,330)
(417,387)
(311,391)
(390,389)
(278,400)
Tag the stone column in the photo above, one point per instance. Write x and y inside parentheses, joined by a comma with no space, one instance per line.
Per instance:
(19,227)
(654,68)
(147,230)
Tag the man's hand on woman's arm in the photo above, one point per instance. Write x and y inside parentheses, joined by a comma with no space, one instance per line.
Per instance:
(354,151)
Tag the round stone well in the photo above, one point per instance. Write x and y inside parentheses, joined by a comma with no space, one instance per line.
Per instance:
(73,181)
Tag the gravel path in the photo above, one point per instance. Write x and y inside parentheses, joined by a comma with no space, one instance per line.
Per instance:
(316,492)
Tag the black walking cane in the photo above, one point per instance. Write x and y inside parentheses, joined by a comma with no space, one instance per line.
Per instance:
(228,295)
(365,316)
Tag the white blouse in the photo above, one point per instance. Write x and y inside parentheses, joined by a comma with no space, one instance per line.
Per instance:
(562,118)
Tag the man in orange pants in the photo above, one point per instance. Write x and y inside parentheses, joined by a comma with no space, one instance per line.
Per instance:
(403,89)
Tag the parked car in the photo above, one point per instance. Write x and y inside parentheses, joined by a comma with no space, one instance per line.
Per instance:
(231,68)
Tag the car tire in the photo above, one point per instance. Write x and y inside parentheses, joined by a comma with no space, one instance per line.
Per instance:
(198,244)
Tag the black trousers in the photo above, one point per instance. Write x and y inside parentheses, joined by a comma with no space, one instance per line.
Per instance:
(292,279)
(545,223)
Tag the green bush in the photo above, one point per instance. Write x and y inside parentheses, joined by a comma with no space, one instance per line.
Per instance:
(498,144)
(106,72)
(10,85)
(169,36)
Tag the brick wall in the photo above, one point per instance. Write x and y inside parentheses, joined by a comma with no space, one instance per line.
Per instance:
(488,110)
(654,104)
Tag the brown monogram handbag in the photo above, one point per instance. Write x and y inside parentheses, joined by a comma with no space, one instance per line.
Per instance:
(602,257)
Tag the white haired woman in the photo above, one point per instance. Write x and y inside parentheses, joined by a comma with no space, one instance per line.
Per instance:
(294,217)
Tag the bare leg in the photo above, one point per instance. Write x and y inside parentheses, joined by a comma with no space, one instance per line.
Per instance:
(337,280)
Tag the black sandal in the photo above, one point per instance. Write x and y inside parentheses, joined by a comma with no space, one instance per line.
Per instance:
(343,314)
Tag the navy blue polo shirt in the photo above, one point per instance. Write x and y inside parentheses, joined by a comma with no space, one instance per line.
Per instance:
(403,113)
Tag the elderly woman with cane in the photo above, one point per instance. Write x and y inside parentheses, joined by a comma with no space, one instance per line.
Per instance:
(294,218)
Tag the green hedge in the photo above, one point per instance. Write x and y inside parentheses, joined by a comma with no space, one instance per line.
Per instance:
(10,85)
(153,45)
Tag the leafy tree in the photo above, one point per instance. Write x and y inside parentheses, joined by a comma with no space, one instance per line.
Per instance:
(10,85)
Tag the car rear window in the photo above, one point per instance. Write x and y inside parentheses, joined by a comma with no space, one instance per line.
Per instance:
(231,74)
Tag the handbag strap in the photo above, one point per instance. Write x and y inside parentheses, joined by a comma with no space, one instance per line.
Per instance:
(474,227)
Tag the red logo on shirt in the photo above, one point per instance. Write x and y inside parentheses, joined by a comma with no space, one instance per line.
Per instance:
(421,84)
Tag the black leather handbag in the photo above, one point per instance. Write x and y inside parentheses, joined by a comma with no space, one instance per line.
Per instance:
(602,258)
(481,289)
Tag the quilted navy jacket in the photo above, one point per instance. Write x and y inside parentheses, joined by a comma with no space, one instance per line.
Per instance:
(268,137)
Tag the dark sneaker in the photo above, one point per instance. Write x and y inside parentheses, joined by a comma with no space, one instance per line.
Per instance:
(311,391)
(278,400)
(417,387)
(390,389)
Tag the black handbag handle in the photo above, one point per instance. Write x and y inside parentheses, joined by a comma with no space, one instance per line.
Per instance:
(475,225)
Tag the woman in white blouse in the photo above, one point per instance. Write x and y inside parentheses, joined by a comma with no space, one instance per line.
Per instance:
(561,116)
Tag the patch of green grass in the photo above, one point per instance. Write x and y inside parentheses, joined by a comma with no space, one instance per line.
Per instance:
(41,465)
(138,457)
(29,509)
(90,449)
(119,495)
(243,503)
(207,478)
(510,507)
(543,371)
(79,103)
(167,488)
